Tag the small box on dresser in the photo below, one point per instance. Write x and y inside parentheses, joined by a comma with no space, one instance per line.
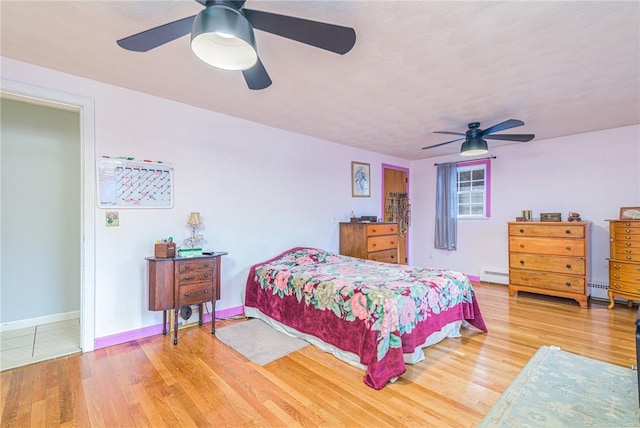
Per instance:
(549,258)
(624,261)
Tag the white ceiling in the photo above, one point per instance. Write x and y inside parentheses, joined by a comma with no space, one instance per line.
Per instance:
(563,67)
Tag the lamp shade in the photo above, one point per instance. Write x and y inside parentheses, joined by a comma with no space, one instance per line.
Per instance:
(474,146)
(194,219)
(223,38)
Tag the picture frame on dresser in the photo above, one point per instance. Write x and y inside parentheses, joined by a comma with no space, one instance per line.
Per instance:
(630,213)
(360,180)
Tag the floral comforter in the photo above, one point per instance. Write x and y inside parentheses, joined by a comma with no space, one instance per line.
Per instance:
(375,310)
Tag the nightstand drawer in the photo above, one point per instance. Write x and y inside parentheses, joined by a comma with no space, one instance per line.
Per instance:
(184,266)
(196,276)
(192,294)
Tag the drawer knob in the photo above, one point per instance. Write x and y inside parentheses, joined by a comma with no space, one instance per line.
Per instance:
(628,257)
(638,269)
(617,276)
(628,230)
(627,237)
(628,244)
(568,284)
(187,278)
(392,243)
(616,266)
(627,224)
(521,245)
(568,247)
(568,231)
(373,230)
(568,266)
(617,286)
(206,265)
(206,275)
(186,294)
(186,266)
(637,279)
(628,251)
(521,230)
(521,262)
(206,291)
(373,245)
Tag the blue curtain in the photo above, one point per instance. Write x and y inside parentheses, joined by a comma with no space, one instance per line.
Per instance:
(446,236)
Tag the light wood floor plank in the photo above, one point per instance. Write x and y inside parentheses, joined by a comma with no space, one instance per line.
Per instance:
(203,382)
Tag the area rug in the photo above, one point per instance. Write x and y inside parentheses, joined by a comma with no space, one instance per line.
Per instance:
(560,389)
(258,341)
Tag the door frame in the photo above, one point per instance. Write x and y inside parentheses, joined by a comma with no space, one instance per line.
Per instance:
(383,193)
(85,107)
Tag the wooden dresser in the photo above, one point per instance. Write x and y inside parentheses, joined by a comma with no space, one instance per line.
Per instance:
(373,241)
(624,260)
(176,282)
(549,258)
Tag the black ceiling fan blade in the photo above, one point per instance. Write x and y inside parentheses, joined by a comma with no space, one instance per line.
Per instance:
(511,137)
(157,36)
(449,133)
(442,144)
(257,76)
(334,38)
(507,124)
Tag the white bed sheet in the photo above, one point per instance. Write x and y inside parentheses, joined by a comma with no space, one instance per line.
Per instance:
(449,330)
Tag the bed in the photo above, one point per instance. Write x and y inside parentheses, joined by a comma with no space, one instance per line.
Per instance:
(374,315)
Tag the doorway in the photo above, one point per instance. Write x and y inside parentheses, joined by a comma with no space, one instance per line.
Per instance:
(83,109)
(395,179)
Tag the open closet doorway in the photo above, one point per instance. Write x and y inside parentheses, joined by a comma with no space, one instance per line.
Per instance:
(395,184)
(47,214)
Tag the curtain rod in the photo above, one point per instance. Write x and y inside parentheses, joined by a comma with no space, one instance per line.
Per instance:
(470,160)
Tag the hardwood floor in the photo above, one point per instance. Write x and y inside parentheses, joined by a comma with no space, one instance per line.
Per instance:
(202,382)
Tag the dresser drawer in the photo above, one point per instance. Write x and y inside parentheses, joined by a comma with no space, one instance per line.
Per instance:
(194,293)
(380,243)
(624,287)
(548,281)
(551,231)
(625,268)
(184,266)
(201,275)
(628,254)
(388,256)
(561,247)
(382,229)
(626,227)
(569,265)
(625,274)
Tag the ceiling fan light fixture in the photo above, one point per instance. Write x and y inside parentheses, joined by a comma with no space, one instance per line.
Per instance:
(223,38)
(474,146)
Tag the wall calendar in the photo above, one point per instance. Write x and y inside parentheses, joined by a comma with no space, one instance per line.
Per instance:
(128,183)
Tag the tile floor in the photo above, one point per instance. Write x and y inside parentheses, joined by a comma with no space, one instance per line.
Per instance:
(43,342)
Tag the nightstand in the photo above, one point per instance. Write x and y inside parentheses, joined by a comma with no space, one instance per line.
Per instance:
(175,282)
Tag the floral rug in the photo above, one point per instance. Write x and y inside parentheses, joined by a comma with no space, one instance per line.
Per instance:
(560,389)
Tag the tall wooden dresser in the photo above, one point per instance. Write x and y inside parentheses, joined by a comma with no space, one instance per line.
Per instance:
(373,241)
(549,258)
(624,260)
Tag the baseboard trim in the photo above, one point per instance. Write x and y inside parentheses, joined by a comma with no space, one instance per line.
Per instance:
(32,322)
(128,336)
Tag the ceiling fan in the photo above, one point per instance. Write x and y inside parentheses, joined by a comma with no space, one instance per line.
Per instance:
(222,36)
(475,144)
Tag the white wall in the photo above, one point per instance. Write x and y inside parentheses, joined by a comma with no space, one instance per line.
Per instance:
(259,190)
(40,215)
(593,174)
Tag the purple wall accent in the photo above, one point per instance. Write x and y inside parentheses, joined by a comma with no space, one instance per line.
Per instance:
(487,184)
(397,168)
(116,339)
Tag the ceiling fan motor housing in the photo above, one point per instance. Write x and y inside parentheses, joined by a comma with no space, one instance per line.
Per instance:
(223,38)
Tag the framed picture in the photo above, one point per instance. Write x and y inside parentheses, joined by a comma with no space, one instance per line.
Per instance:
(630,213)
(360,180)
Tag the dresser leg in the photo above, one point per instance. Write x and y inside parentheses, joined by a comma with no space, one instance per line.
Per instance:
(200,308)
(612,302)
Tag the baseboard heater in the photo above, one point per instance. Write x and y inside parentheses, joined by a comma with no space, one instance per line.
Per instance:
(494,275)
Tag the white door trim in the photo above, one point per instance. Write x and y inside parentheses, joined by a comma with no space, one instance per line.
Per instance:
(85,106)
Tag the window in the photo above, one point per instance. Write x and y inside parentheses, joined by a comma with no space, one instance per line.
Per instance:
(474,179)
